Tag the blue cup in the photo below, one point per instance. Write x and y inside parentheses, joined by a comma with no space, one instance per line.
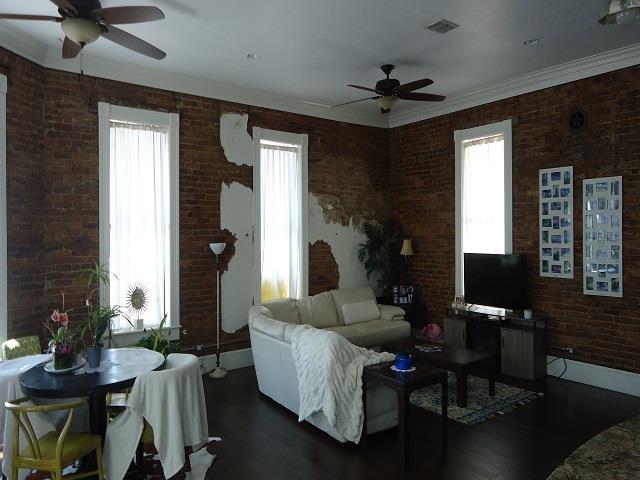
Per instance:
(404,361)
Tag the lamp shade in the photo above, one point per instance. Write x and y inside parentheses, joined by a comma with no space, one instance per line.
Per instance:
(387,102)
(81,31)
(620,12)
(217,248)
(407,248)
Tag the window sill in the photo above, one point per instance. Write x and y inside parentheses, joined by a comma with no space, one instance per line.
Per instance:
(128,337)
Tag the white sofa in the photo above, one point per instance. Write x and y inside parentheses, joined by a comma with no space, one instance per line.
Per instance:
(272,324)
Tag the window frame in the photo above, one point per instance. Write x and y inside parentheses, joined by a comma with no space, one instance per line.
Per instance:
(171,121)
(301,140)
(4,232)
(460,137)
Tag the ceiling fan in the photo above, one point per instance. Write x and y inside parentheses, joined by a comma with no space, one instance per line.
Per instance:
(84,21)
(388,91)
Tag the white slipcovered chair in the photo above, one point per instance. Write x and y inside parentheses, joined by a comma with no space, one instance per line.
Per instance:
(172,402)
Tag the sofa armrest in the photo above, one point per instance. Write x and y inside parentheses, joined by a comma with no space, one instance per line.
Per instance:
(391,312)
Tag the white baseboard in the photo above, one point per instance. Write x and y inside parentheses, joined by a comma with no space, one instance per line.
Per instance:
(596,376)
(229,360)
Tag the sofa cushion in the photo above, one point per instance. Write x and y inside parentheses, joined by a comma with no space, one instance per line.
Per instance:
(350,333)
(379,332)
(284,310)
(318,310)
(343,296)
(360,312)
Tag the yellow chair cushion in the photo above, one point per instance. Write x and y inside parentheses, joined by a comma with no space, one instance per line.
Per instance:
(76,445)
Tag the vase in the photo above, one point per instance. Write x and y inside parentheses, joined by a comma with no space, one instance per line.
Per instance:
(93,356)
(62,360)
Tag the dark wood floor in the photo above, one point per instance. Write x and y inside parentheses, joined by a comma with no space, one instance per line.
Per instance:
(262,440)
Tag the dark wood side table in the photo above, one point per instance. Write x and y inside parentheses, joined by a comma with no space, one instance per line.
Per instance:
(460,361)
(404,384)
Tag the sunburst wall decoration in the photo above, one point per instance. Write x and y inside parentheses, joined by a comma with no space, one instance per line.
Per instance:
(137,301)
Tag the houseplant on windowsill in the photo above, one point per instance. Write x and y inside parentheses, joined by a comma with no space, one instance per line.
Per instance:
(156,341)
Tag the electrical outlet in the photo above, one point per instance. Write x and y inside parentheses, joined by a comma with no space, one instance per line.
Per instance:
(199,348)
(570,350)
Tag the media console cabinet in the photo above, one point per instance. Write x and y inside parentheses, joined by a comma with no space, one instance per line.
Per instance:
(518,344)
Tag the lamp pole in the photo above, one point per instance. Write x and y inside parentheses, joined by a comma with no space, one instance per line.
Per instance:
(217,249)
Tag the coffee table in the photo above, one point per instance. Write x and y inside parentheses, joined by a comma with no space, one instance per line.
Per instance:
(460,361)
(404,383)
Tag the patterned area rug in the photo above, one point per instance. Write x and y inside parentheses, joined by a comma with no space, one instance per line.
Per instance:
(480,405)
(612,455)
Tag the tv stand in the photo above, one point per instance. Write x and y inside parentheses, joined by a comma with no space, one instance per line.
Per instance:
(517,343)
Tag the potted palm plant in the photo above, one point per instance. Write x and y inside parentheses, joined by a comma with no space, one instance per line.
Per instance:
(380,253)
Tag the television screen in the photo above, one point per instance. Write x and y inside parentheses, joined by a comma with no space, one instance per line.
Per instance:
(495,280)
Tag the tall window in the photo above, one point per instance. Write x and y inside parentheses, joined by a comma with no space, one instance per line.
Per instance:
(281,217)
(141,200)
(483,193)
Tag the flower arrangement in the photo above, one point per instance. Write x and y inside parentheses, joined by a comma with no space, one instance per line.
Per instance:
(63,338)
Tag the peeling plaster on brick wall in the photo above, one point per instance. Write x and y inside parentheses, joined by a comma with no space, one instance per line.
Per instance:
(236,215)
(327,227)
(236,142)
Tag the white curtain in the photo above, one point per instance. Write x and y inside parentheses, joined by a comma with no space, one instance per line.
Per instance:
(483,196)
(139,216)
(280,221)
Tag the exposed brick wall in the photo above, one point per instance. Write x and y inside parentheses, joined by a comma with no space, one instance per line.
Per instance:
(25,193)
(53,188)
(604,330)
(324,267)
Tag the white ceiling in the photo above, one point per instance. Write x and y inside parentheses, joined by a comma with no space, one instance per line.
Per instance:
(309,49)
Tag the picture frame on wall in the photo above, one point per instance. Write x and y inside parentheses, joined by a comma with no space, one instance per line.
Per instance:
(403,295)
(602,238)
(556,222)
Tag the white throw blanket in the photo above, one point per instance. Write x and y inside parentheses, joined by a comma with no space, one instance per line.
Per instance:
(329,371)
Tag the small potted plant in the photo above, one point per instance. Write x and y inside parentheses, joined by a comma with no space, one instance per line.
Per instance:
(62,340)
(99,318)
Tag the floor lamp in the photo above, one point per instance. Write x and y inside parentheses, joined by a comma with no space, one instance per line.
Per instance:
(217,249)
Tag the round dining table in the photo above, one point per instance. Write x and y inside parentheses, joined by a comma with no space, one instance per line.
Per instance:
(119,369)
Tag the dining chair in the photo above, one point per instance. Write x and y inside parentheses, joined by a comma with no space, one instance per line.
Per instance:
(53,451)
(20,347)
(166,407)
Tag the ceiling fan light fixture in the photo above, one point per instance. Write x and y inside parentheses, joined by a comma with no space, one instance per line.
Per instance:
(387,102)
(620,12)
(81,31)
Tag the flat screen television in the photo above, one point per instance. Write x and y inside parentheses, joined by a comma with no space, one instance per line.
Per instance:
(495,280)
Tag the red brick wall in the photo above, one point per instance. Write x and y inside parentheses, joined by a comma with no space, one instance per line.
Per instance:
(61,175)
(605,331)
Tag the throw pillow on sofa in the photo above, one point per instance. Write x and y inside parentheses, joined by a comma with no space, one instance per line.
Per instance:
(359,312)
(343,296)
(318,310)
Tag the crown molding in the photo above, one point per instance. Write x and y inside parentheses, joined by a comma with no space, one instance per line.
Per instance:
(32,49)
(531,82)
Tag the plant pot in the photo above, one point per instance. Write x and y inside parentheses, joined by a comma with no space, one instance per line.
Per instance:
(93,356)
(62,360)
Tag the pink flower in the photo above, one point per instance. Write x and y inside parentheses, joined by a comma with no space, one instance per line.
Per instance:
(61,318)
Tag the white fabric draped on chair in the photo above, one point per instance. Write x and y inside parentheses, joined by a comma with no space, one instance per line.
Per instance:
(172,401)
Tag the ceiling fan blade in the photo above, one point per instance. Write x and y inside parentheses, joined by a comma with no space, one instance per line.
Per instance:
(133,43)
(366,89)
(70,49)
(123,15)
(44,18)
(415,85)
(422,97)
(355,101)
(65,5)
